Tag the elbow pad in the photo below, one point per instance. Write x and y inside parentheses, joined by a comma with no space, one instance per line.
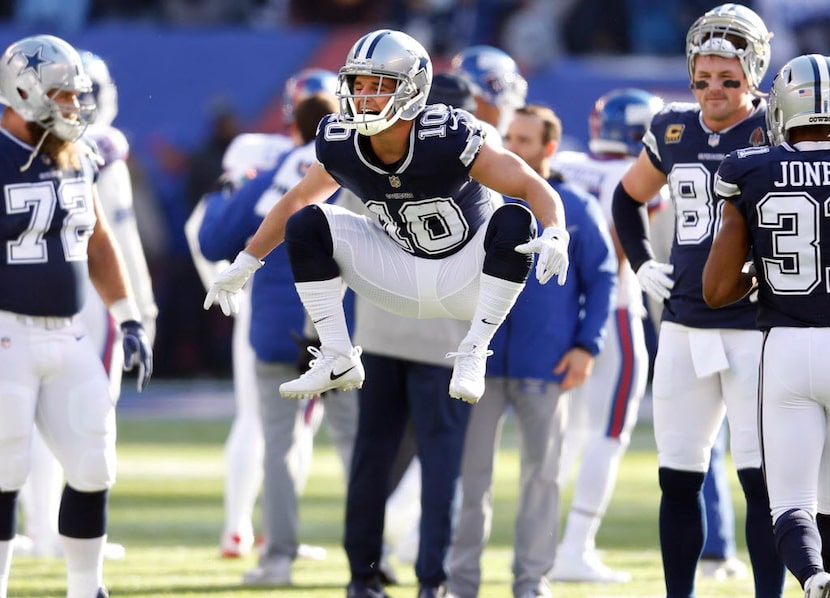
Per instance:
(631,223)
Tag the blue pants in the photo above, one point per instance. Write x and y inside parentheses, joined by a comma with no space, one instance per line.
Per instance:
(394,391)
(720,513)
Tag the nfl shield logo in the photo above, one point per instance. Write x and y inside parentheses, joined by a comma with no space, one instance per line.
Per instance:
(394,181)
(714,139)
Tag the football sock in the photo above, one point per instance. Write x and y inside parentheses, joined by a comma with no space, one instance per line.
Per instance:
(767,568)
(496,297)
(323,300)
(5,566)
(84,565)
(823,522)
(682,529)
(592,491)
(799,544)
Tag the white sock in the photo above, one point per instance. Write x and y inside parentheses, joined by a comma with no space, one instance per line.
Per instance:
(580,533)
(496,297)
(323,300)
(84,565)
(5,566)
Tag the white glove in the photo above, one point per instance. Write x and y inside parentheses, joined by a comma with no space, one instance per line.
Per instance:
(552,247)
(226,287)
(655,279)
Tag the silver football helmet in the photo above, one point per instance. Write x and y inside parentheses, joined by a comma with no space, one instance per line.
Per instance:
(800,96)
(731,31)
(104,91)
(32,71)
(387,54)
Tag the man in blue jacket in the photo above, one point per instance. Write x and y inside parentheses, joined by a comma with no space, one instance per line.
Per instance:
(544,348)
(277,317)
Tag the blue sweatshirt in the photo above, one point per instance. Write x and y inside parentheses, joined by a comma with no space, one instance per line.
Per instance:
(549,320)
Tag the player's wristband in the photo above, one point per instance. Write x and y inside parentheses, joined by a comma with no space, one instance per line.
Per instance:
(631,224)
(124,310)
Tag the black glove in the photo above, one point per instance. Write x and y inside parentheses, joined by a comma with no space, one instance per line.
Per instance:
(304,357)
(137,352)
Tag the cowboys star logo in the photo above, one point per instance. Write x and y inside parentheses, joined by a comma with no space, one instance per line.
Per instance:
(34,61)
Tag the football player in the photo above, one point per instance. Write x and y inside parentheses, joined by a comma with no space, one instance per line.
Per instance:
(435,247)
(775,206)
(498,86)
(40,495)
(707,360)
(603,411)
(55,237)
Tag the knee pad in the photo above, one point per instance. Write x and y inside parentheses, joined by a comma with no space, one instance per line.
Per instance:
(94,471)
(8,515)
(510,225)
(83,514)
(309,245)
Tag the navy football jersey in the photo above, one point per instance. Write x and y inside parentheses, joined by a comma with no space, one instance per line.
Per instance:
(46,219)
(682,147)
(784,194)
(427,202)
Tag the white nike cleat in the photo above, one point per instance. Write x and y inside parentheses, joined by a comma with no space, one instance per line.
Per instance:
(585,567)
(329,370)
(467,382)
(818,586)
(723,569)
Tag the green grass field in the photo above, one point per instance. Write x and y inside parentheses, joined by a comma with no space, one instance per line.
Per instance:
(167,510)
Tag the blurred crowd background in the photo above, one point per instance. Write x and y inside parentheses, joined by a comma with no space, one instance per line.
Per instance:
(192,74)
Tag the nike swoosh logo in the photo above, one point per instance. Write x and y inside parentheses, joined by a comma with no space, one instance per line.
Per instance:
(77,338)
(320,320)
(334,376)
(484,320)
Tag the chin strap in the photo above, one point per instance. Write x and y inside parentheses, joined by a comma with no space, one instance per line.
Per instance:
(31,159)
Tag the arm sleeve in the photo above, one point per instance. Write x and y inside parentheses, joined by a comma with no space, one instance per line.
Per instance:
(631,224)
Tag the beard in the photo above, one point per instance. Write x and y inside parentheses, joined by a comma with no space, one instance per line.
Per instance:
(64,153)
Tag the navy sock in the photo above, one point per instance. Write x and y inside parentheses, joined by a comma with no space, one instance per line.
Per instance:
(682,529)
(767,567)
(799,544)
(823,522)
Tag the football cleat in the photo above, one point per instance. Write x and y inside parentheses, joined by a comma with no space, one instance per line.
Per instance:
(585,567)
(358,589)
(722,569)
(467,382)
(329,370)
(234,546)
(818,586)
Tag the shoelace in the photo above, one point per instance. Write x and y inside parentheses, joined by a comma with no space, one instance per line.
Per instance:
(318,357)
(467,364)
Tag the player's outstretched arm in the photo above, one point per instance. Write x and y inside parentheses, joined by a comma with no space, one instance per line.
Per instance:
(315,187)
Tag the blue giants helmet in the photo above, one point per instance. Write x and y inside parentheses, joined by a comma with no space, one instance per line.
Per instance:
(619,121)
